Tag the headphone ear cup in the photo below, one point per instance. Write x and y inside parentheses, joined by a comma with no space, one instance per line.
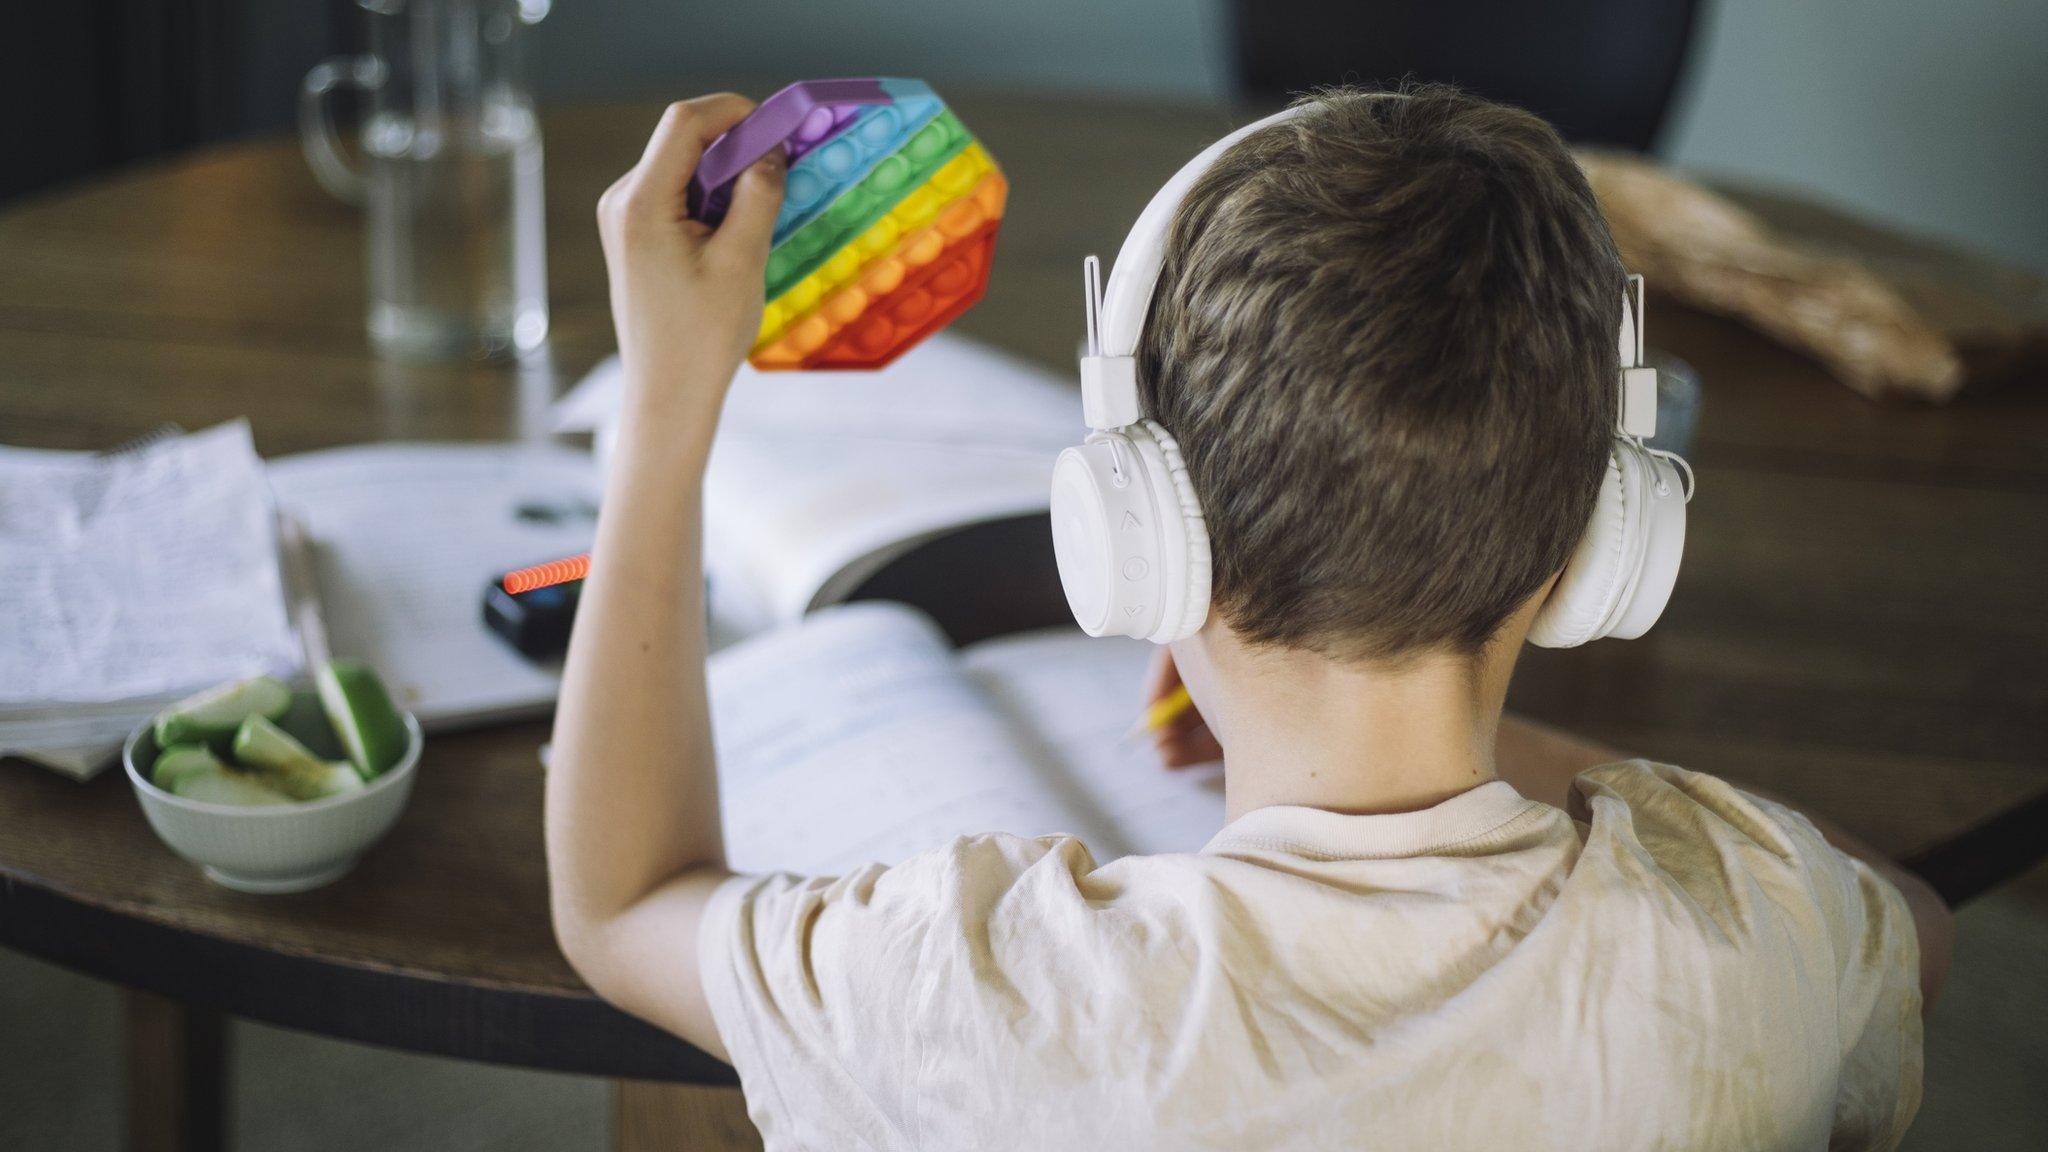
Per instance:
(1592,580)
(1128,535)
(1186,577)
(1662,525)
(1621,574)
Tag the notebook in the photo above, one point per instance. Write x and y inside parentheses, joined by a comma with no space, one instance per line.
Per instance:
(402,539)
(860,734)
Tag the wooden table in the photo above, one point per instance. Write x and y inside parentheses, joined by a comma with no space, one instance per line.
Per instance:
(1860,624)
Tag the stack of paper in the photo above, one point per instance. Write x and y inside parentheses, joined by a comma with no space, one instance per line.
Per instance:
(128,581)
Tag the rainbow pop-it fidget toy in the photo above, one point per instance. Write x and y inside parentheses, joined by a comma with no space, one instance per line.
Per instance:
(888,224)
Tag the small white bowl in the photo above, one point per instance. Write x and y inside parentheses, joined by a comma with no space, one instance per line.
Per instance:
(273,848)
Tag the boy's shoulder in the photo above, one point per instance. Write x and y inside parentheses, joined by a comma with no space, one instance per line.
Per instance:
(1727,853)
(1661,807)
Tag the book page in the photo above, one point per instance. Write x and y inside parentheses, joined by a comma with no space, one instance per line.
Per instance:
(797,519)
(1075,698)
(818,479)
(403,539)
(855,737)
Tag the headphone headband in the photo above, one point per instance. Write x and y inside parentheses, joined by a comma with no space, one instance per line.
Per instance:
(1128,296)
(1116,314)
(1127,525)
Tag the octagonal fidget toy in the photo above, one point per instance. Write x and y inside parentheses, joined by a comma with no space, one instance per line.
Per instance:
(888,224)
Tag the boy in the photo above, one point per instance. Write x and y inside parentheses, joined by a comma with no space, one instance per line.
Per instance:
(1384,336)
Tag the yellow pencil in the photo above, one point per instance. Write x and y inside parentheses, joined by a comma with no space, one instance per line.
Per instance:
(1168,708)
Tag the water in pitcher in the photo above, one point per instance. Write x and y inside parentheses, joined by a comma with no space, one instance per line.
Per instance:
(456,250)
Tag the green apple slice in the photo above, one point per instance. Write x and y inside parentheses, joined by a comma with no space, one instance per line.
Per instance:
(362,714)
(180,760)
(220,785)
(307,723)
(286,765)
(212,716)
(314,780)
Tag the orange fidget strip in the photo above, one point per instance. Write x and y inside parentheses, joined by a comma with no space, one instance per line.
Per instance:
(550,573)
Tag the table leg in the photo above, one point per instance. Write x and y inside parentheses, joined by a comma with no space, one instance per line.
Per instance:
(657,1117)
(177,1076)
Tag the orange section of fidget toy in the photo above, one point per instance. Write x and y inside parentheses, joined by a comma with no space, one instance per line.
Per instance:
(926,302)
(891,279)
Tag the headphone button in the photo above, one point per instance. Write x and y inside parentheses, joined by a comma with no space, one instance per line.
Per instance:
(1136,568)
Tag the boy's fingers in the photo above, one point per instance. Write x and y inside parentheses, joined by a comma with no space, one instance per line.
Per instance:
(687,127)
(749,223)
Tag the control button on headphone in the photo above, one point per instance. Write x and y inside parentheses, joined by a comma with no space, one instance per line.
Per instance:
(1135,568)
(1131,524)
(1133,609)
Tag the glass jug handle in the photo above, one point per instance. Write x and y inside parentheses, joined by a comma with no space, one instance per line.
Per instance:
(324,155)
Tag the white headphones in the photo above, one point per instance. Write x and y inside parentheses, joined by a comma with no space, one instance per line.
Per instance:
(1128,533)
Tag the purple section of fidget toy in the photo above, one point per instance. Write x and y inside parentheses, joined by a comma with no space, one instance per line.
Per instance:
(835,119)
(778,120)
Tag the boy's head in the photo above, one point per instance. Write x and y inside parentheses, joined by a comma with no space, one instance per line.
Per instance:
(1385,337)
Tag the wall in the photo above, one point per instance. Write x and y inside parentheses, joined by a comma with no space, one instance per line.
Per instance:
(1172,49)
(1933,115)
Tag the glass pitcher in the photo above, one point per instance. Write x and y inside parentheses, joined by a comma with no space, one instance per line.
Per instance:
(450,175)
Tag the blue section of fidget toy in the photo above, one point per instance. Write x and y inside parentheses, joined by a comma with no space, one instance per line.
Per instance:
(915,104)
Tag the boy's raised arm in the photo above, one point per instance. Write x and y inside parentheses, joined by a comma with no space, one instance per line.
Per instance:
(633,842)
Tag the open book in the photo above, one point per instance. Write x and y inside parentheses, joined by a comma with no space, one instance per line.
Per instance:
(821,481)
(860,734)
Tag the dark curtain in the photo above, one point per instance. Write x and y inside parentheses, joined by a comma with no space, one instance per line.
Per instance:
(92,85)
(1603,71)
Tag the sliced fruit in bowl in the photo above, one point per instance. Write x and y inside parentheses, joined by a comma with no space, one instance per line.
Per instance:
(274,790)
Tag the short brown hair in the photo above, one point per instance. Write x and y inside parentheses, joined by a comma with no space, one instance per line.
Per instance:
(1384,334)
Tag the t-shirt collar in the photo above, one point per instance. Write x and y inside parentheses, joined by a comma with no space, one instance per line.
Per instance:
(1468,816)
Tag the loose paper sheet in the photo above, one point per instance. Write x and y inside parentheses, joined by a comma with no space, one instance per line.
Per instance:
(136,576)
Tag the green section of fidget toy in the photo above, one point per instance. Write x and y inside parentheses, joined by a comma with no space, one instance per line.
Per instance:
(855,210)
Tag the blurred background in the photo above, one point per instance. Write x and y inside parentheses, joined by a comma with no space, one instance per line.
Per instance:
(1928,117)
(1923,115)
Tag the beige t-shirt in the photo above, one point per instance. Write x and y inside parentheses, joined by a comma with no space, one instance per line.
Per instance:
(1673,965)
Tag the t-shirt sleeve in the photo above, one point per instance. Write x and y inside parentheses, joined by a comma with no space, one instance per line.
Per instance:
(837,997)
(1877,999)
(1870,933)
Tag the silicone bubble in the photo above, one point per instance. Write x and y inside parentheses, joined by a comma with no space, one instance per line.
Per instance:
(824,173)
(888,223)
(845,290)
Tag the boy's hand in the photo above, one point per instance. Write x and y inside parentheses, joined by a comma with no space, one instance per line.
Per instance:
(1185,740)
(686,299)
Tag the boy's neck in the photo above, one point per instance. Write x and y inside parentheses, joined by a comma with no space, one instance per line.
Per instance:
(1299,728)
